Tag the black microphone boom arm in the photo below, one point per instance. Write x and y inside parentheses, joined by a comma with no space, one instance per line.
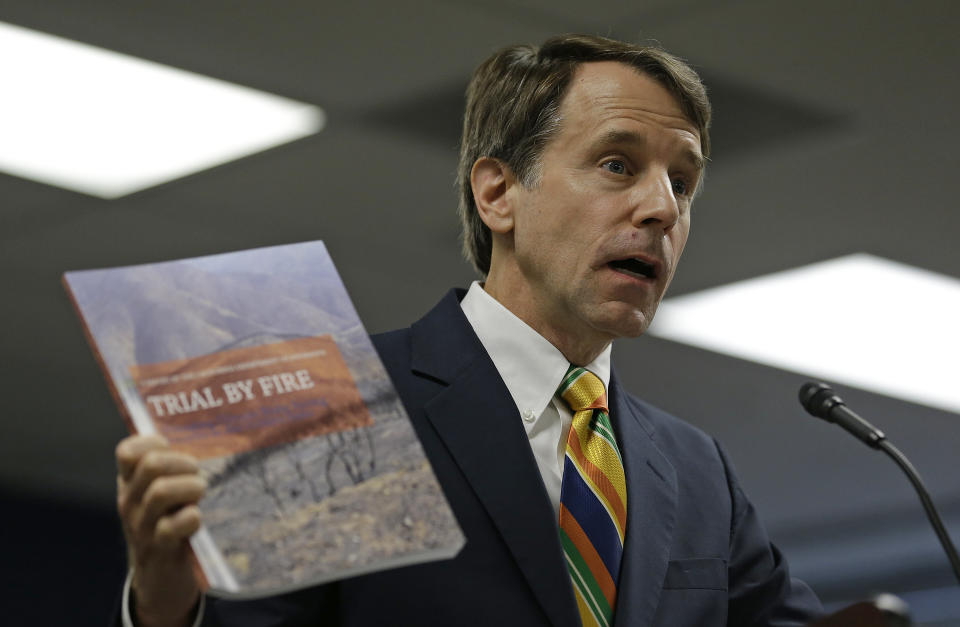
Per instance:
(820,401)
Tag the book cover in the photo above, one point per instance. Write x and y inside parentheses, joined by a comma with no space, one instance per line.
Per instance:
(256,363)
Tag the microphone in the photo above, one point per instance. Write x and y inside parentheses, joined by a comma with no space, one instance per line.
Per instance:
(820,401)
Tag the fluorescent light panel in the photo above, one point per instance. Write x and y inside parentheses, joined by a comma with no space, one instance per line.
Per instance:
(860,320)
(108,124)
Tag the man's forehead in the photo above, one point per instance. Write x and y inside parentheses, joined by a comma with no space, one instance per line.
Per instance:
(602,89)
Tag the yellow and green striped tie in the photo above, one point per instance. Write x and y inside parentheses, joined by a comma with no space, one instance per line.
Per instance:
(593,499)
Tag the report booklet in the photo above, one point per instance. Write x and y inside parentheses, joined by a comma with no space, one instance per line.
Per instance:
(256,363)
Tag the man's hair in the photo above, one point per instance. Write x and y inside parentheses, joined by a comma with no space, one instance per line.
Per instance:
(513,105)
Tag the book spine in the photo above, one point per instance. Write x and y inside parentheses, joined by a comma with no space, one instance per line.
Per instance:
(118,399)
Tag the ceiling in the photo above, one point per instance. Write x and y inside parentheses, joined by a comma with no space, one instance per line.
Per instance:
(834,133)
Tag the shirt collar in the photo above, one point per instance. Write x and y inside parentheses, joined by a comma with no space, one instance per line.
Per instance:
(530,366)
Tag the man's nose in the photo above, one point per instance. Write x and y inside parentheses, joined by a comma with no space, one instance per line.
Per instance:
(655,203)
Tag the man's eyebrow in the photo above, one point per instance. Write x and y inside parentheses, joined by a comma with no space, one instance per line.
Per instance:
(695,159)
(621,136)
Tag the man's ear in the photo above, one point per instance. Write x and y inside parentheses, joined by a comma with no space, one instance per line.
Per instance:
(490,180)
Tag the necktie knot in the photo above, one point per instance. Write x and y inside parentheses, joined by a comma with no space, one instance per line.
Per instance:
(581,389)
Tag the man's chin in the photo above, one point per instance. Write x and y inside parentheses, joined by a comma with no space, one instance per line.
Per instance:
(635,330)
(627,324)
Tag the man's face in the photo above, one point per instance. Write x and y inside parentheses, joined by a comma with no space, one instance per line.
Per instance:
(597,240)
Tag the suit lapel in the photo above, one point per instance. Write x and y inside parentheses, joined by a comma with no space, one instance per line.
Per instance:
(651,513)
(481,428)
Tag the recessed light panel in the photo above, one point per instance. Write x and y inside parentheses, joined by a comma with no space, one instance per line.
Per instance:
(109,124)
(860,320)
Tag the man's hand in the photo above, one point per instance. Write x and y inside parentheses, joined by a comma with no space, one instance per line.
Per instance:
(157,494)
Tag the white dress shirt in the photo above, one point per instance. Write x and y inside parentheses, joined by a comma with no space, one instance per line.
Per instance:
(532,368)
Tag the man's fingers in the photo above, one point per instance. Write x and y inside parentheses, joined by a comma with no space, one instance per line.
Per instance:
(168,496)
(131,449)
(173,529)
(154,484)
(154,464)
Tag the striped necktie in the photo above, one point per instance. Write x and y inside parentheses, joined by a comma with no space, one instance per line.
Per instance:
(593,499)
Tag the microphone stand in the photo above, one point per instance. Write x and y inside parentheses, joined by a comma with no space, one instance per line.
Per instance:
(820,401)
(928,506)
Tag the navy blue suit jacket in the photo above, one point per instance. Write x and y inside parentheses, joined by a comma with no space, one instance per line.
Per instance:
(695,551)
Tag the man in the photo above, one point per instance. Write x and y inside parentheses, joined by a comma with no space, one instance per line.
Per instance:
(579,165)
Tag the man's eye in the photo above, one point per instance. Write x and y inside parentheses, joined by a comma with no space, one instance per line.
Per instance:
(680,187)
(616,166)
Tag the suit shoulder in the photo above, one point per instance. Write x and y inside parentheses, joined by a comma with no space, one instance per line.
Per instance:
(394,348)
(396,341)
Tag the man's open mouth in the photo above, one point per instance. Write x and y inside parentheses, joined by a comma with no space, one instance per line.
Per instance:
(635,267)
